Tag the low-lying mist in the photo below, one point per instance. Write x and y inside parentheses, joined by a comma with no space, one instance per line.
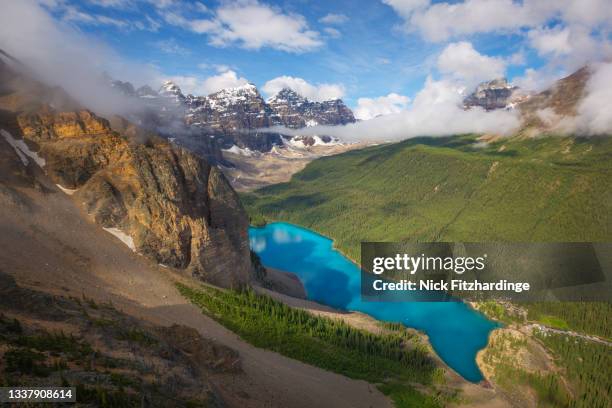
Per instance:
(436,111)
(60,55)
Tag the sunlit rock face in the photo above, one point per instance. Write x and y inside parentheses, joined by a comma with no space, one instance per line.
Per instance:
(175,207)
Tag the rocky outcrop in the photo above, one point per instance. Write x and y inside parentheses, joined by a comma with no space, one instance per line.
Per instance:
(172,92)
(495,94)
(178,209)
(294,111)
(229,115)
(174,205)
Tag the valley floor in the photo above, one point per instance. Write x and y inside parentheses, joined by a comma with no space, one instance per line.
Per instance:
(255,170)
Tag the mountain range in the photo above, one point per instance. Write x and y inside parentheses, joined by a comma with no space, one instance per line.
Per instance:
(240,119)
(235,116)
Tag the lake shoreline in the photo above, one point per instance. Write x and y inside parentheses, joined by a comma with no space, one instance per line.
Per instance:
(479,391)
(334,280)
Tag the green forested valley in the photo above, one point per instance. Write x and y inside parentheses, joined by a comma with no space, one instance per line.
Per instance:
(518,189)
(451,189)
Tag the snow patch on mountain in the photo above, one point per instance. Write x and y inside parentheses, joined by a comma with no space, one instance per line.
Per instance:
(22,149)
(65,190)
(241,151)
(122,236)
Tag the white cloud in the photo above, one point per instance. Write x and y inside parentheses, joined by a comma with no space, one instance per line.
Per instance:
(444,20)
(590,13)
(319,92)
(220,68)
(547,41)
(570,46)
(594,114)
(63,56)
(369,108)
(252,25)
(153,25)
(462,62)
(112,3)
(333,18)
(332,32)
(75,15)
(441,21)
(518,58)
(435,111)
(227,79)
(537,79)
(162,4)
(405,8)
(196,85)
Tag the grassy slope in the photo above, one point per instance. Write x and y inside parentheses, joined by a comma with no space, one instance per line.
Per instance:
(393,361)
(445,189)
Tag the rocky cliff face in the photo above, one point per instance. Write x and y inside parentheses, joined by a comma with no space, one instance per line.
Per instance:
(294,111)
(229,114)
(495,94)
(175,207)
(171,92)
(233,116)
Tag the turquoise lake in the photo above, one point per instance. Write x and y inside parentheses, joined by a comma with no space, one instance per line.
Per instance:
(456,331)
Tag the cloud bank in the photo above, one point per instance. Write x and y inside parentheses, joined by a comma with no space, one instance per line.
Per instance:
(435,111)
(594,113)
(462,62)
(60,55)
(369,108)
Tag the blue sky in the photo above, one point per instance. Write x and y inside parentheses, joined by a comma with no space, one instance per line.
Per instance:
(364,58)
(374,54)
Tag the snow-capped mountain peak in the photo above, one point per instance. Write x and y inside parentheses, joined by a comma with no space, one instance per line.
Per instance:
(236,94)
(171,90)
(287,95)
(224,115)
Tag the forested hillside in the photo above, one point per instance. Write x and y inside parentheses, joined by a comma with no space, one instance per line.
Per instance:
(458,188)
(451,189)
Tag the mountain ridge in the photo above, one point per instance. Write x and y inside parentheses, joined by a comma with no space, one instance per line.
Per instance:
(239,115)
